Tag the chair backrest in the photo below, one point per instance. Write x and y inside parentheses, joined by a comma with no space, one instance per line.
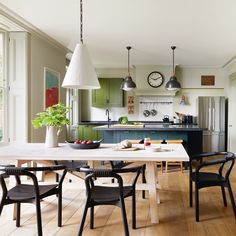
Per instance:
(92,174)
(9,170)
(211,159)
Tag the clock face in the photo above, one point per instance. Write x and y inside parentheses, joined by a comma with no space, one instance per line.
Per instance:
(155,79)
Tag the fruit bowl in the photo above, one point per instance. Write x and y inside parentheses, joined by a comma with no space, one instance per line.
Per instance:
(84,144)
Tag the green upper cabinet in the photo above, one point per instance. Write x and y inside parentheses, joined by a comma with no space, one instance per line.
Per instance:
(110,94)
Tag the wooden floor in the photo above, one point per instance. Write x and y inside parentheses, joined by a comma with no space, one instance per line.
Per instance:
(176,217)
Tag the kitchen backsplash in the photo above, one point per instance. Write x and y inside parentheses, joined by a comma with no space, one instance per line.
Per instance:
(153,108)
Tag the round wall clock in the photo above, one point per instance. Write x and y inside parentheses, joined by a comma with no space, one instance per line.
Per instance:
(155,79)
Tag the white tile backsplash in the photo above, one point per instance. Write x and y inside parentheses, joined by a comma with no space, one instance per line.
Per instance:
(163,106)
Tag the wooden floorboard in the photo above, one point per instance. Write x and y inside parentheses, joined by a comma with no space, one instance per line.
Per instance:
(176,217)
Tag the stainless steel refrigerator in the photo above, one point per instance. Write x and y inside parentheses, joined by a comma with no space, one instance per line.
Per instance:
(212,116)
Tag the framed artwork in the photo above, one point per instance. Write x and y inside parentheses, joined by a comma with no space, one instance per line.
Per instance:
(130,104)
(208,80)
(51,85)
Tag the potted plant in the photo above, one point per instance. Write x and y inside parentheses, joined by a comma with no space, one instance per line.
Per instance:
(54,118)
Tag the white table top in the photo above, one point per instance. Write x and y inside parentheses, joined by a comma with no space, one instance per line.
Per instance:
(38,151)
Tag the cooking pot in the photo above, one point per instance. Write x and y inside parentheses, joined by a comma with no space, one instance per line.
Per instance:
(146,113)
(166,119)
(153,112)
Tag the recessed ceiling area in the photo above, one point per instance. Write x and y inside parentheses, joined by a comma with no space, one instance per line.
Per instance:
(203,31)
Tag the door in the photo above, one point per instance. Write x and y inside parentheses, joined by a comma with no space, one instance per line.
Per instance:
(232,114)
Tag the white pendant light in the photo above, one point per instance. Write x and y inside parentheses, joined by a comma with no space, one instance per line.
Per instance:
(128,84)
(173,84)
(81,73)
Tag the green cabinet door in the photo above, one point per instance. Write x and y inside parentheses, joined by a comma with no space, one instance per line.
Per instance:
(86,132)
(99,96)
(109,95)
(115,94)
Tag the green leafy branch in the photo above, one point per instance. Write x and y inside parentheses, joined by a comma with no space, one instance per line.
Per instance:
(53,116)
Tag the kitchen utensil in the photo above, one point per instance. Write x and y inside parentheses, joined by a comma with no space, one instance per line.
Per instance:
(176,121)
(166,119)
(153,111)
(146,113)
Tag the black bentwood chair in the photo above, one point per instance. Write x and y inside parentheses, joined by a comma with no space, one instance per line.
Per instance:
(103,195)
(71,166)
(30,193)
(204,178)
(122,164)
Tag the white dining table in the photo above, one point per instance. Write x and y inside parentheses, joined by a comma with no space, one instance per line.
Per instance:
(166,152)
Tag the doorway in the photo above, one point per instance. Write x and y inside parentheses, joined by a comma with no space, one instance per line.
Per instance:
(232,114)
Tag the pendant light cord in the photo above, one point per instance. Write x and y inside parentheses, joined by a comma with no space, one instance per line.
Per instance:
(173,49)
(173,63)
(128,48)
(81,21)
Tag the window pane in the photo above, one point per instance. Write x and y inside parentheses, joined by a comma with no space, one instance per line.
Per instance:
(1,114)
(1,89)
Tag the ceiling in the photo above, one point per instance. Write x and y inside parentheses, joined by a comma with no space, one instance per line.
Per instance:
(203,31)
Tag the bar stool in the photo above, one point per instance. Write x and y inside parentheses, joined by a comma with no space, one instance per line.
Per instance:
(174,163)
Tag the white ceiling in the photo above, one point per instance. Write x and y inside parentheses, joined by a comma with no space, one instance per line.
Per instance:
(204,31)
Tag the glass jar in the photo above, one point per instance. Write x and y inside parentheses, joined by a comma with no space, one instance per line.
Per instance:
(147,142)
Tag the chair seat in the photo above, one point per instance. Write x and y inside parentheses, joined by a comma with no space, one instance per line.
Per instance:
(199,165)
(208,177)
(24,192)
(101,194)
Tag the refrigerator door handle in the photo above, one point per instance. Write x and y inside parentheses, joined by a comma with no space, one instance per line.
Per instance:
(213,118)
(209,119)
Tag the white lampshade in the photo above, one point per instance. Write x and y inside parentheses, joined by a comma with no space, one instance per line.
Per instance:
(81,73)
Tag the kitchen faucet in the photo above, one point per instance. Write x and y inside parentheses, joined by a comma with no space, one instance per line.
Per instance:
(108,115)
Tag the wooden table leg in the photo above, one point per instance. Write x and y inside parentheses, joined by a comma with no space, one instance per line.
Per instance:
(151,182)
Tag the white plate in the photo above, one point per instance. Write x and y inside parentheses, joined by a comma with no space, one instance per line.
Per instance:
(158,149)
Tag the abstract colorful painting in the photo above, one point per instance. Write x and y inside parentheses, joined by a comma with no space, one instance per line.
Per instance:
(52,80)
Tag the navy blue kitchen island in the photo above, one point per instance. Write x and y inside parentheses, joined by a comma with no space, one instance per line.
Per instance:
(190,134)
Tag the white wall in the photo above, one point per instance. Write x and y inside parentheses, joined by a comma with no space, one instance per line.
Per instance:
(43,54)
(190,79)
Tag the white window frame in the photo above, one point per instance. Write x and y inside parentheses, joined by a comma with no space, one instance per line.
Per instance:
(5,88)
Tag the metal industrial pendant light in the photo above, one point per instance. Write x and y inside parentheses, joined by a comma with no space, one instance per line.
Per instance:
(173,84)
(128,84)
(81,73)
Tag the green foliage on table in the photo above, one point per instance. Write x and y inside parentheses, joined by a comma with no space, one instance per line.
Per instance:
(53,116)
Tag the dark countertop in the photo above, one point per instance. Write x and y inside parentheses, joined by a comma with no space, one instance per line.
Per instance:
(116,122)
(152,127)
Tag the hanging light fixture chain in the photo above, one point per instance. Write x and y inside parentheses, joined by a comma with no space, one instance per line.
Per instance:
(128,48)
(81,21)
(173,62)
(173,49)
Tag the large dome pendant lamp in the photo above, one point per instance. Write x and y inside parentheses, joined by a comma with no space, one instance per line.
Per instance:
(173,84)
(128,84)
(81,73)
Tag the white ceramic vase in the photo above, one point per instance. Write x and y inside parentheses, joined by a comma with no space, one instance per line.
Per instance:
(51,136)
